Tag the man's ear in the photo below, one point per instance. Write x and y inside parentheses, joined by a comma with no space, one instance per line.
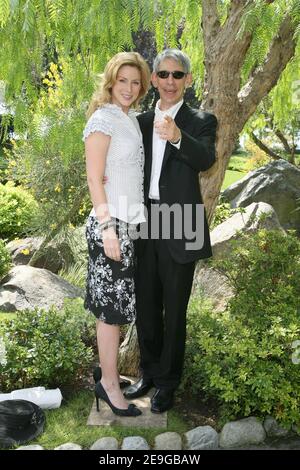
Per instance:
(188,80)
(154,79)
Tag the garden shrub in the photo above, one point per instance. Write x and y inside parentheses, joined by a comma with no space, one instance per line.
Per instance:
(5,260)
(223,212)
(243,356)
(17,209)
(43,348)
(81,319)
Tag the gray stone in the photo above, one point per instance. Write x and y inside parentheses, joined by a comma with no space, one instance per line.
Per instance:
(135,443)
(60,253)
(202,438)
(68,446)
(273,429)
(105,443)
(246,431)
(168,441)
(22,250)
(256,216)
(296,429)
(277,183)
(213,285)
(28,287)
(31,447)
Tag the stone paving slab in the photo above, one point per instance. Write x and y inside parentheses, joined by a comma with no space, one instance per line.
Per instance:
(105,417)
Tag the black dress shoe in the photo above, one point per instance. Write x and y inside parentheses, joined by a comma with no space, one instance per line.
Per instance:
(97,374)
(138,389)
(162,400)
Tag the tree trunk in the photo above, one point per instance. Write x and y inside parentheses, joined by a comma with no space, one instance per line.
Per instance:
(224,56)
(129,354)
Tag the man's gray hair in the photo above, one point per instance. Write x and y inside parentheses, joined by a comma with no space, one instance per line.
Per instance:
(174,54)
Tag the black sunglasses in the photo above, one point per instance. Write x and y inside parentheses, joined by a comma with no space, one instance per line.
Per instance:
(177,74)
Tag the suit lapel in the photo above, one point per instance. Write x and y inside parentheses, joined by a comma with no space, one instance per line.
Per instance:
(148,133)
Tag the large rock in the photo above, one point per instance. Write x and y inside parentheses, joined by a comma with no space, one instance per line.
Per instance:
(58,254)
(55,256)
(28,287)
(256,216)
(277,183)
(213,285)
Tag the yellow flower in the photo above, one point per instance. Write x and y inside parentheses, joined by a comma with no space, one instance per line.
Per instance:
(53,226)
(25,251)
(57,189)
(53,67)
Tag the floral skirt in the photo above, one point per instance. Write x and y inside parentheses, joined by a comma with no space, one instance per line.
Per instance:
(110,290)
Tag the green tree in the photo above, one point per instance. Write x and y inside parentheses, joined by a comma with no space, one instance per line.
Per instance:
(274,127)
(239,50)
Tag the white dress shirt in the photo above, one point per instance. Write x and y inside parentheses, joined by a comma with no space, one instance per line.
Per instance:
(158,148)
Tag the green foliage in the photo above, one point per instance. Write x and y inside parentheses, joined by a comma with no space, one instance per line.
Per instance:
(243,356)
(17,211)
(82,320)
(43,348)
(5,260)
(222,212)
(75,274)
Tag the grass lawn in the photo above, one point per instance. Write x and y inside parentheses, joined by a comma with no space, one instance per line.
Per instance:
(235,170)
(7,316)
(231,177)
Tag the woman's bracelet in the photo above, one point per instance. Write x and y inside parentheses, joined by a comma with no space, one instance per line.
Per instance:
(106,225)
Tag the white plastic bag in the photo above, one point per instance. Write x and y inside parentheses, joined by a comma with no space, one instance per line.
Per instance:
(46,399)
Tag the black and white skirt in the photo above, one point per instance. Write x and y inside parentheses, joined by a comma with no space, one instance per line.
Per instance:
(110,290)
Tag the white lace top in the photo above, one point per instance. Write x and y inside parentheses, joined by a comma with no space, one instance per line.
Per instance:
(124,161)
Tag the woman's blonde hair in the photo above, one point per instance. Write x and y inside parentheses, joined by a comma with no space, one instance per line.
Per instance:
(102,95)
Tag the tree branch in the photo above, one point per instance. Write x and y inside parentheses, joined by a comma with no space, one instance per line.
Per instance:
(227,41)
(210,21)
(283,140)
(266,76)
(263,147)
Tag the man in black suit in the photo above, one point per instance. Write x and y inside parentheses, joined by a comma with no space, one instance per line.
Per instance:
(179,143)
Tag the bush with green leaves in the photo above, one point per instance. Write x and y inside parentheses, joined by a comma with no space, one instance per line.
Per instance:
(17,210)
(5,260)
(243,357)
(222,212)
(43,348)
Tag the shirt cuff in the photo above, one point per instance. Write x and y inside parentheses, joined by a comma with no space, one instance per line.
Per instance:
(177,144)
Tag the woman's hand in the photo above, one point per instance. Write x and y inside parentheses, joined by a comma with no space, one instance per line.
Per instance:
(111,244)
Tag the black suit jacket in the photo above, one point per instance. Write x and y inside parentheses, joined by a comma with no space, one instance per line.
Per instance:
(179,179)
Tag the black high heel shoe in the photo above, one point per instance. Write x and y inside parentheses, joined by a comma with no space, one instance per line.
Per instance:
(132,410)
(97,374)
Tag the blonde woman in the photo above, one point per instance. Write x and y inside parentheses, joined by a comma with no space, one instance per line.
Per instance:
(114,149)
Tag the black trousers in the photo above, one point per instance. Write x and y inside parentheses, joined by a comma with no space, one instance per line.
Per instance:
(163,288)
